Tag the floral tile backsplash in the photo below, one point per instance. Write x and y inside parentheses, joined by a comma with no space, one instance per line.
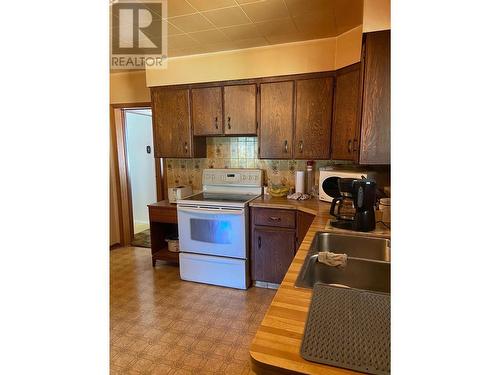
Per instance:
(236,152)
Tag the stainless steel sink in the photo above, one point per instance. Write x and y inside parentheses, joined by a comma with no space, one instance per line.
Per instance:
(368,263)
(353,246)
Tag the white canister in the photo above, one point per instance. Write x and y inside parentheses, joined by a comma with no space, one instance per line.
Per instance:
(299,181)
(384,206)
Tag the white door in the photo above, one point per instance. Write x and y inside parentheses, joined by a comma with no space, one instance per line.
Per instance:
(141,164)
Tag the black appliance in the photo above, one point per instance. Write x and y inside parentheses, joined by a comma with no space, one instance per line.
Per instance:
(363,194)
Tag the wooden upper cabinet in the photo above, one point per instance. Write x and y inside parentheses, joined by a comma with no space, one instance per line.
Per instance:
(171,125)
(276,120)
(376,114)
(313,121)
(240,109)
(207,111)
(346,112)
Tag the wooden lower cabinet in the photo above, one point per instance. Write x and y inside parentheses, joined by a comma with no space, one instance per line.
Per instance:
(304,221)
(273,251)
(162,224)
(276,235)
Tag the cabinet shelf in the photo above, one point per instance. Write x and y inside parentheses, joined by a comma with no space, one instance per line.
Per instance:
(164,254)
(163,224)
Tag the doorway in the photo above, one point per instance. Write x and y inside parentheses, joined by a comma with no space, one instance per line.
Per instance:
(141,169)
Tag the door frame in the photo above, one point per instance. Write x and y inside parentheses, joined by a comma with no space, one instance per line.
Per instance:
(119,152)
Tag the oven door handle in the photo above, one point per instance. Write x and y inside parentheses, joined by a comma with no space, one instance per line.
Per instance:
(205,210)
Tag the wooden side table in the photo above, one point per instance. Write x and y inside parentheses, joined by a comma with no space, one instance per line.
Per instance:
(163,224)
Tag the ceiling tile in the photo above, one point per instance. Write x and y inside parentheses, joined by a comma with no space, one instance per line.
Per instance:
(241,32)
(222,46)
(272,28)
(191,23)
(301,7)
(316,25)
(180,42)
(248,1)
(285,38)
(186,51)
(211,4)
(209,36)
(172,30)
(348,14)
(227,17)
(178,8)
(252,42)
(266,10)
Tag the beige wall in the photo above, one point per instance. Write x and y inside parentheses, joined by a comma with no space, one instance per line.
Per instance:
(376,15)
(280,59)
(348,47)
(128,87)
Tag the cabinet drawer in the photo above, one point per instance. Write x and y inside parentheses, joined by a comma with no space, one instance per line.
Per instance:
(163,215)
(273,217)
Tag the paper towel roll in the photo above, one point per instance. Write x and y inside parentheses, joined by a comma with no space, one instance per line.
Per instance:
(299,181)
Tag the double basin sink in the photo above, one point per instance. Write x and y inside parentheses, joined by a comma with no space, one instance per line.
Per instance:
(368,263)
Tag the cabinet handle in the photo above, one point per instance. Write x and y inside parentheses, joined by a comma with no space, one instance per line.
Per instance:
(286,147)
(354,143)
(349,146)
(216,124)
(228,122)
(301,146)
(185,147)
(259,242)
(274,218)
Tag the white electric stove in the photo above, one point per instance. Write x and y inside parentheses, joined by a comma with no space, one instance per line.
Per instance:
(213,227)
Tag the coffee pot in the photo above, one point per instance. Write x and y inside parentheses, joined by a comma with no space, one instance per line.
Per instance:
(354,204)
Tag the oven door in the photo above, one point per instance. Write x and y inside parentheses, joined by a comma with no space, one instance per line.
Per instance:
(212,231)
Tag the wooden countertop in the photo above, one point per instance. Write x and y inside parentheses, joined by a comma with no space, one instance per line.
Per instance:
(322,212)
(163,204)
(276,345)
(310,206)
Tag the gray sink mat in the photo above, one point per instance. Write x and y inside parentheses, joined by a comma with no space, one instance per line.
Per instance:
(348,328)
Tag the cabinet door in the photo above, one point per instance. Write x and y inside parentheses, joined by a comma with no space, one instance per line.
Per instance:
(346,123)
(171,126)
(207,111)
(313,122)
(304,221)
(240,109)
(276,120)
(273,250)
(375,145)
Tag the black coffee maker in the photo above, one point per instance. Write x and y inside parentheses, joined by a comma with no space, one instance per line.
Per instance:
(362,193)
